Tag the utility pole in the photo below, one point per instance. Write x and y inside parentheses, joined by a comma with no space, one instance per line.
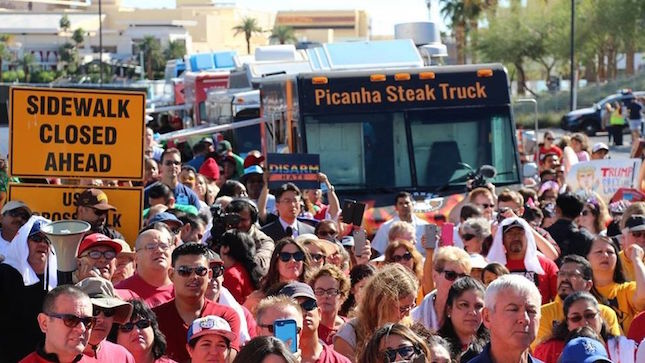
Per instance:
(100,44)
(572,67)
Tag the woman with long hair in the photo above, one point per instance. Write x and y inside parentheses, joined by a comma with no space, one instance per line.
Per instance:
(331,287)
(241,273)
(627,298)
(141,335)
(580,145)
(580,309)
(404,253)
(462,324)
(201,189)
(394,343)
(594,215)
(358,277)
(388,298)
(290,261)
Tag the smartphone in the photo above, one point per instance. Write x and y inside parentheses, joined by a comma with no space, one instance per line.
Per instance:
(447,230)
(431,230)
(353,212)
(287,331)
(359,241)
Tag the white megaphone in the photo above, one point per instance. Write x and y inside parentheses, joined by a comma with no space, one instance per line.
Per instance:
(65,236)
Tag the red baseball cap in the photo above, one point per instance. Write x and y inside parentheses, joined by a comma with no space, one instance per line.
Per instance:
(97,239)
(254,157)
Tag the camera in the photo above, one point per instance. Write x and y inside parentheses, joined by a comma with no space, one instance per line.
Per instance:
(479,178)
(222,222)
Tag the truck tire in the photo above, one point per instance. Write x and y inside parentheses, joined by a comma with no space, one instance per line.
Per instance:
(589,128)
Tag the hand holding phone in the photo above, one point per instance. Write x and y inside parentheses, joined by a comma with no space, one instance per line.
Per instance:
(287,331)
(430,236)
(360,239)
(447,234)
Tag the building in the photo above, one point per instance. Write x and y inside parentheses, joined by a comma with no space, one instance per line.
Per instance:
(326,26)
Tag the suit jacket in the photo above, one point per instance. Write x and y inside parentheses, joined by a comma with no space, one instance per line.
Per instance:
(276,232)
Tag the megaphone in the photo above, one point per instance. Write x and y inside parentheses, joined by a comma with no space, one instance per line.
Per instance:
(65,236)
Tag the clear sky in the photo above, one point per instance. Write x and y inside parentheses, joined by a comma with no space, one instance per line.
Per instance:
(384,13)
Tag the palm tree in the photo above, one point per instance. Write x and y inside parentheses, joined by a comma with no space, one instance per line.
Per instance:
(27,61)
(454,11)
(78,36)
(248,27)
(64,23)
(283,34)
(176,49)
(151,48)
(5,54)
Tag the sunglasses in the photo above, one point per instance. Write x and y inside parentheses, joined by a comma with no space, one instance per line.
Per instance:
(586,316)
(405,352)
(96,310)
(185,271)
(269,327)
(451,275)
(71,320)
(398,258)
(95,255)
(467,237)
(38,238)
(550,138)
(218,269)
(309,305)
(286,256)
(328,233)
(486,205)
(638,234)
(141,324)
(318,256)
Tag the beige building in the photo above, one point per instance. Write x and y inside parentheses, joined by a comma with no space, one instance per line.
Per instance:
(202,25)
(326,26)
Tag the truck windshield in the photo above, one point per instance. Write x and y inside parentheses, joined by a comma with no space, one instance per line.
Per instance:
(423,149)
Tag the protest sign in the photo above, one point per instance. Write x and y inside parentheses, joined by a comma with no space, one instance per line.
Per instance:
(603,177)
(58,202)
(300,169)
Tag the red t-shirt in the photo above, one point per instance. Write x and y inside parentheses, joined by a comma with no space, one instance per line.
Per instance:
(110,352)
(36,358)
(637,328)
(238,282)
(151,295)
(326,334)
(549,351)
(329,355)
(176,331)
(547,283)
(251,324)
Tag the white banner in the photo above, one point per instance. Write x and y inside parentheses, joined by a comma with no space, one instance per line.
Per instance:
(603,177)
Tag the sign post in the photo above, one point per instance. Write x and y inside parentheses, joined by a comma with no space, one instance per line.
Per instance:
(76,133)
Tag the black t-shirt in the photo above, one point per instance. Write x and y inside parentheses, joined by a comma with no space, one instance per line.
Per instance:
(634,110)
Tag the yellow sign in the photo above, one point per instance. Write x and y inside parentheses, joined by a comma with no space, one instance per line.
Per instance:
(57,202)
(76,133)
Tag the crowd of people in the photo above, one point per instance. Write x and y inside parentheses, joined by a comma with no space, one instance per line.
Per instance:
(223,265)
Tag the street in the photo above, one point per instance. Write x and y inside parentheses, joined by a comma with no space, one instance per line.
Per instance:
(615,152)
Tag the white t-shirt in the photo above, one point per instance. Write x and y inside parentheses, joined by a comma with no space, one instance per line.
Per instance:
(4,246)
(425,313)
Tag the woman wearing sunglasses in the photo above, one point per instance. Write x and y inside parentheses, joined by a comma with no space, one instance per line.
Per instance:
(594,216)
(241,273)
(404,253)
(462,324)
(290,261)
(580,309)
(626,298)
(395,343)
(476,235)
(388,298)
(141,335)
(319,250)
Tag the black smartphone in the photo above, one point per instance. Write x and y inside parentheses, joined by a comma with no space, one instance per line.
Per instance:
(353,212)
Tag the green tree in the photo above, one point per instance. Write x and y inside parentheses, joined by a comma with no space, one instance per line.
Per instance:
(283,34)
(248,27)
(5,54)
(68,54)
(453,10)
(176,49)
(78,37)
(27,62)
(64,23)
(152,55)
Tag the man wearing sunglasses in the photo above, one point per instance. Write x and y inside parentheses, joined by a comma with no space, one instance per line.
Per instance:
(311,347)
(169,169)
(107,308)
(14,215)
(190,274)
(92,207)
(66,320)
(25,278)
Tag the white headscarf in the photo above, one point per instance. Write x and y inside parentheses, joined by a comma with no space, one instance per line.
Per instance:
(18,252)
(497,252)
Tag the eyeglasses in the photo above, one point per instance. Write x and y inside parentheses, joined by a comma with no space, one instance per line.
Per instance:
(171,162)
(309,305)
(286,256)
(398,258)
(406,309)
(451,275)
(586,316)
(155,246)
(71,320)
(329,292)
(550,138)
(141,324)
(269,327)
(569,274)
(486,205)
(185,271)
(38,238)
(467,237)
(107,312)
(100,212)
(95,255)
(218,270)
(318,256)
(328,233)
(638,234)
(405,352)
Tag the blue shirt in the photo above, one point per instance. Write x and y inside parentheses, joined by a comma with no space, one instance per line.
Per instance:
(183,195)
(484,357)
